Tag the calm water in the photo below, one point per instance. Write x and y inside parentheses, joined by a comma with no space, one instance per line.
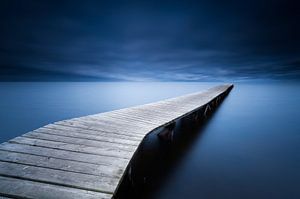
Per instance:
(27,106)
(250,148)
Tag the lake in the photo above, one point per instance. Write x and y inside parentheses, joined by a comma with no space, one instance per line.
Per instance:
(249,148)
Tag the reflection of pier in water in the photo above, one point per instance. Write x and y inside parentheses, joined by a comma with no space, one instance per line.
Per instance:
(91,156)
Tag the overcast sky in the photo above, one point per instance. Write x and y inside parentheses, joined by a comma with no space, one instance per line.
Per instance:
(149,40)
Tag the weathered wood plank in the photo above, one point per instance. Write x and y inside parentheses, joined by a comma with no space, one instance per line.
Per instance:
(65,155)
(108,128)
(80,141)
(112,125)
(151,117)
(91,132)
(58,177)
(88,136)
(60,164)
(27,189)
(126,117)
(102,151)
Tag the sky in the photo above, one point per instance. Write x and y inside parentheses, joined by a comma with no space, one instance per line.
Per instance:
(173,40)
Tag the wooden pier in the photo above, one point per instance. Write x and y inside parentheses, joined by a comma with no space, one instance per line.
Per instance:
(87,157)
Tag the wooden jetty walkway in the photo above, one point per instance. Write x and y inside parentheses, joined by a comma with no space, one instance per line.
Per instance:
(87,157)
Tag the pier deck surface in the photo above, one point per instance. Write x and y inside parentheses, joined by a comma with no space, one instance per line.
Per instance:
(87,157)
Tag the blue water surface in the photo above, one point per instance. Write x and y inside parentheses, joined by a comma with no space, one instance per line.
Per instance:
(250,148)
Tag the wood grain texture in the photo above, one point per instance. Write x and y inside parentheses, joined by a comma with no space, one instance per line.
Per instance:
(17,188)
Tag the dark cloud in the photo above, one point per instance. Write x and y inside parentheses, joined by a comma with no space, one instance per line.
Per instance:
(149,40)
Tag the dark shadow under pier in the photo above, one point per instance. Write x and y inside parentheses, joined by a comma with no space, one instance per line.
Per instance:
(156,158)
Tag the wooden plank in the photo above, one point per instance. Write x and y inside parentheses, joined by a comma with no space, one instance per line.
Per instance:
(113,122)
(65,155)
(107,128)
(157,110)
(125,118)
(60,164)
(88,136)
(150,109)
(107,118)
(115,126)
(139,115)
(102,151)
(17,188)
(154,112)
(91,132)
(112,125)
(58,177)
(80,141)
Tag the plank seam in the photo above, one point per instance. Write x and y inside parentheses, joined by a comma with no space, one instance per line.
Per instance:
(93,129)
(103,164)
(10,196)
(34,145)
(58,184)
(82,138)
(38,166)
(103,134)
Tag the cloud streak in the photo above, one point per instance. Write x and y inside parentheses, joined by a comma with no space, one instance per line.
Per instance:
(149,41)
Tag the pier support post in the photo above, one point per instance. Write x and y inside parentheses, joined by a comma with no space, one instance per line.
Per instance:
(167,133)
(207,110)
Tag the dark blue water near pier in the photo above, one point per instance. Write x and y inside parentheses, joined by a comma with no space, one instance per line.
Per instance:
(250,148)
